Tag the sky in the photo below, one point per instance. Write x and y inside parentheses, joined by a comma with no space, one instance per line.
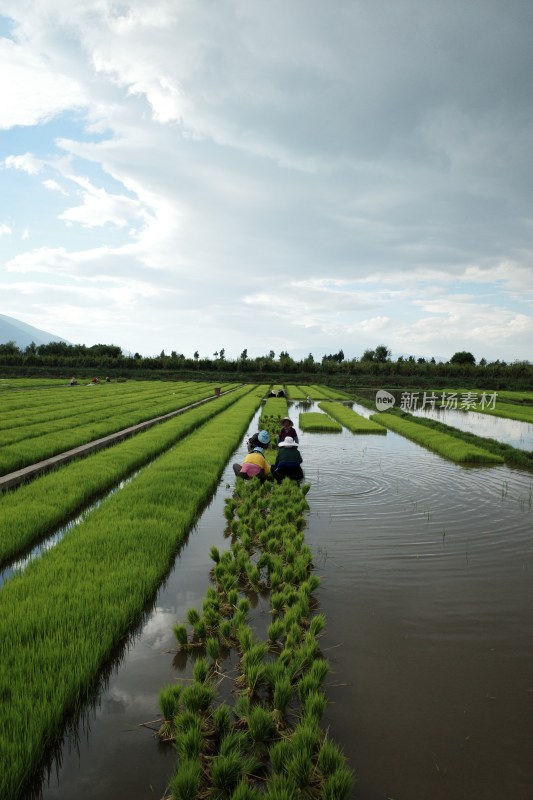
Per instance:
(299,175)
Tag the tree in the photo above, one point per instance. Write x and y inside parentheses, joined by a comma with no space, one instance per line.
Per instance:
(244,355)
(196,355)
(272,355)
(222,354)
(462,357)
(369,355)
(382,353)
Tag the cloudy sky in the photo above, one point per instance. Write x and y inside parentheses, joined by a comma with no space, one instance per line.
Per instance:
(296,175)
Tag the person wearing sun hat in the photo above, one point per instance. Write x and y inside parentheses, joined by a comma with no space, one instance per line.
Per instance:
(253,465)
(287,430)
(259,439)
(288,461)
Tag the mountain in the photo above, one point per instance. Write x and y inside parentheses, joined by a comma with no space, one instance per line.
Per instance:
(13,330)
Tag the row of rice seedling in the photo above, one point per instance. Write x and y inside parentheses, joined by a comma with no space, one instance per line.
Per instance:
(332,394)
(33,510)
(350,419)
(61,619)
(58,403)
(452,447)
(296,392)
(46,445)
(274,409)
(265,739)
(315,422)
(316,392)
(137,409)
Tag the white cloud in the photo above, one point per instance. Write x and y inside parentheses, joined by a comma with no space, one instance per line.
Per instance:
(5,230)
(26,163)
(288,175)
(34,91)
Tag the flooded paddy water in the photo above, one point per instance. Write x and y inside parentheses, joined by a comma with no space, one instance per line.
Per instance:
(427,587)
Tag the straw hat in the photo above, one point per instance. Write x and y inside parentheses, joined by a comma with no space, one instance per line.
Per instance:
(288,442)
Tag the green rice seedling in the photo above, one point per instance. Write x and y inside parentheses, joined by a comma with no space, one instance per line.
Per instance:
(235,741)
(330,758)
(215,555)
(280,755)
(185,720)
(235,526)
(201,670)
(198,697)
(315,704)
(180,632)
(275,630)
(241,708)
(254,576)
(222,719)
(245,791)
(233,597)
(228,770)
(282,692)
(338,785)
(190,743)
(315,422)
(245,638)
(244,605)
(169,700)
(225,630)
(200,630)
(260,724)
(212,646)
(299,768)
(446,445)
(317,624)
(193,616)
(185,782)
(254,676)
(350,419)
(277,601)
(306,736)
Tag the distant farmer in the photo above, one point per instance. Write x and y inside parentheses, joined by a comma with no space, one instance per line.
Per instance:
(254,465)
(288,461)
(259,439)
(287,430)
(281,393)
(73,382)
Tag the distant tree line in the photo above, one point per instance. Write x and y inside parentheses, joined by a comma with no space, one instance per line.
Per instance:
(373,366)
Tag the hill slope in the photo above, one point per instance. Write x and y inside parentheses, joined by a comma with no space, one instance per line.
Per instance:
(13,330)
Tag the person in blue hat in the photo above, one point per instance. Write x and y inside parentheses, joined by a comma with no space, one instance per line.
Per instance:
(259,439)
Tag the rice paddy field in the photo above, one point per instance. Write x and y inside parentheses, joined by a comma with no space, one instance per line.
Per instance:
(165,633)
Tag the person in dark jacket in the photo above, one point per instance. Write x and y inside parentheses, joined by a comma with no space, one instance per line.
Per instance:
(288,461)
(287,430)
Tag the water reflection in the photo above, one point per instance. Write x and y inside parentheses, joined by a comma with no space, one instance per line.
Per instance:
(427,588)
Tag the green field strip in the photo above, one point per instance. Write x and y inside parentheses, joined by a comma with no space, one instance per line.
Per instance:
(39,448)
(295,392)
(444,444)
(509,411)
(137,410)
(62,618)
(35,509)
(315,422)
(333,394)
(315,392)
(76,400)
(350,419)
(265,740)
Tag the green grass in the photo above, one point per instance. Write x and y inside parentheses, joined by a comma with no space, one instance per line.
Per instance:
(350,419)
(315,422)
(62,618)
(444,444)
(34,509)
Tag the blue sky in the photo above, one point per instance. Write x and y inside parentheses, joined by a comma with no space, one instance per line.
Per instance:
(293,176)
